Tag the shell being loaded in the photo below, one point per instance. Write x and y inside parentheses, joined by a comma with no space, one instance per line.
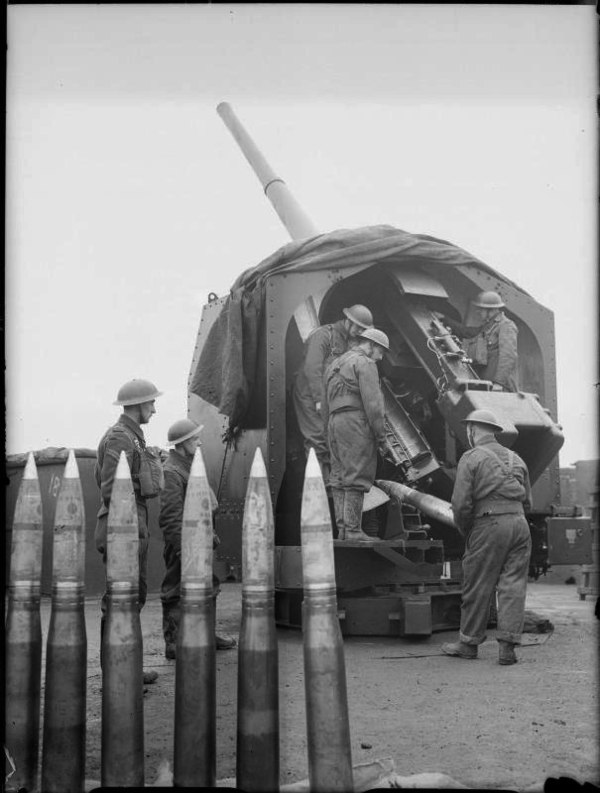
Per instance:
(429,505)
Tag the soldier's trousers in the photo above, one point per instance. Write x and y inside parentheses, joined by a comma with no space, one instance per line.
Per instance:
(170,593)
(497,555)
(353,451)
(313,429)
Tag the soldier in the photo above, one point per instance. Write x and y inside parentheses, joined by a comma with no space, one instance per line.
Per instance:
(355,427)
(137,398)
(492,346)
(490,497)
(323,344)
(183,437)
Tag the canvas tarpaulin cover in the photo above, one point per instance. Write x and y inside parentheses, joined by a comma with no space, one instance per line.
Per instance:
(228,364)
(49,456)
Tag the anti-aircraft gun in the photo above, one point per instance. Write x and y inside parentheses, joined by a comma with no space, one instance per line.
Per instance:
(249,346)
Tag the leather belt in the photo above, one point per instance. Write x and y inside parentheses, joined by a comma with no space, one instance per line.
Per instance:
(492,507)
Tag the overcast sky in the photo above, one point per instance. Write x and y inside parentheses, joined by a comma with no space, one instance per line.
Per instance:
(128,201)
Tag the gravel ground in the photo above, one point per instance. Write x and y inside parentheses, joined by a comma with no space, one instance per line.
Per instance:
(481,724)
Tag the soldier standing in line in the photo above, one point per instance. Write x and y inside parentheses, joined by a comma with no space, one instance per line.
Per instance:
(491,346)
(183,438)
(356,428)
(323,345)
(490,497)
(137,398)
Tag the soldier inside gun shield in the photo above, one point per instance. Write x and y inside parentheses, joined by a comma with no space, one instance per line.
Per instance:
(137,397)
(323,345)
(183,438)
(492,346)
(356,429)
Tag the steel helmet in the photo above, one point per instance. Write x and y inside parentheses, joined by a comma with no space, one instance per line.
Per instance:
(489,300)
(482,416)
(377,336)
(182,430)
(136,392)
(360,315)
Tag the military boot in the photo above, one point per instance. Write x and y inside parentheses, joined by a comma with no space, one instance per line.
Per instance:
(506,653)
(170,624)
(102,627)
(460,649)
(224,642)
(325,471)
(370,524)
(221,642)
(353,503)
(338,508)
(170,652)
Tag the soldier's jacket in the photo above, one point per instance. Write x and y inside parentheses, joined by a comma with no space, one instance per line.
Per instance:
(493,349)
(352,382)
(144,466)
(490,480)
(177,473)
(322,346)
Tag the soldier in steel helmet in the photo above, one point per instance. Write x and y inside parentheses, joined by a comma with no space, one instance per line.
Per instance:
(183,437)
(323,345)
(356,429)
(492,346)
(137,398)
(490,497)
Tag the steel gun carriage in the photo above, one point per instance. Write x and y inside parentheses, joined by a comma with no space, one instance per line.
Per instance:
(249,346)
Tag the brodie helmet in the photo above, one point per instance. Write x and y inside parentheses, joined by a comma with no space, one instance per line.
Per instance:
(136,392)
(489,300)
(360,315)
(181,430)
(377,336)
(482,416)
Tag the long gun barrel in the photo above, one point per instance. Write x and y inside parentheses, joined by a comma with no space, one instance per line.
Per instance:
(291,214)
(434,507)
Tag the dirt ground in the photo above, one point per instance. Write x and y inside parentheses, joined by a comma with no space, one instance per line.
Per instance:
(483,725)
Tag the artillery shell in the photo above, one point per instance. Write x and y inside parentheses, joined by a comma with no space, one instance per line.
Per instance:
(194,763)
(430,505)
(258,686)
(23,634)
(328,728)
(63,759)
(122,763)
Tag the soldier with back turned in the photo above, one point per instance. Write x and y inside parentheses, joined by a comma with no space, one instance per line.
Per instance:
(323,345)
(490,498)
(356,429)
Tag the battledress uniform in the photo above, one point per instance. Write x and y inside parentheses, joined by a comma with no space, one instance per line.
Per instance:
(493,349)
(491,494)
(147,479)
(355,428)
(322,346)
(177,473)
